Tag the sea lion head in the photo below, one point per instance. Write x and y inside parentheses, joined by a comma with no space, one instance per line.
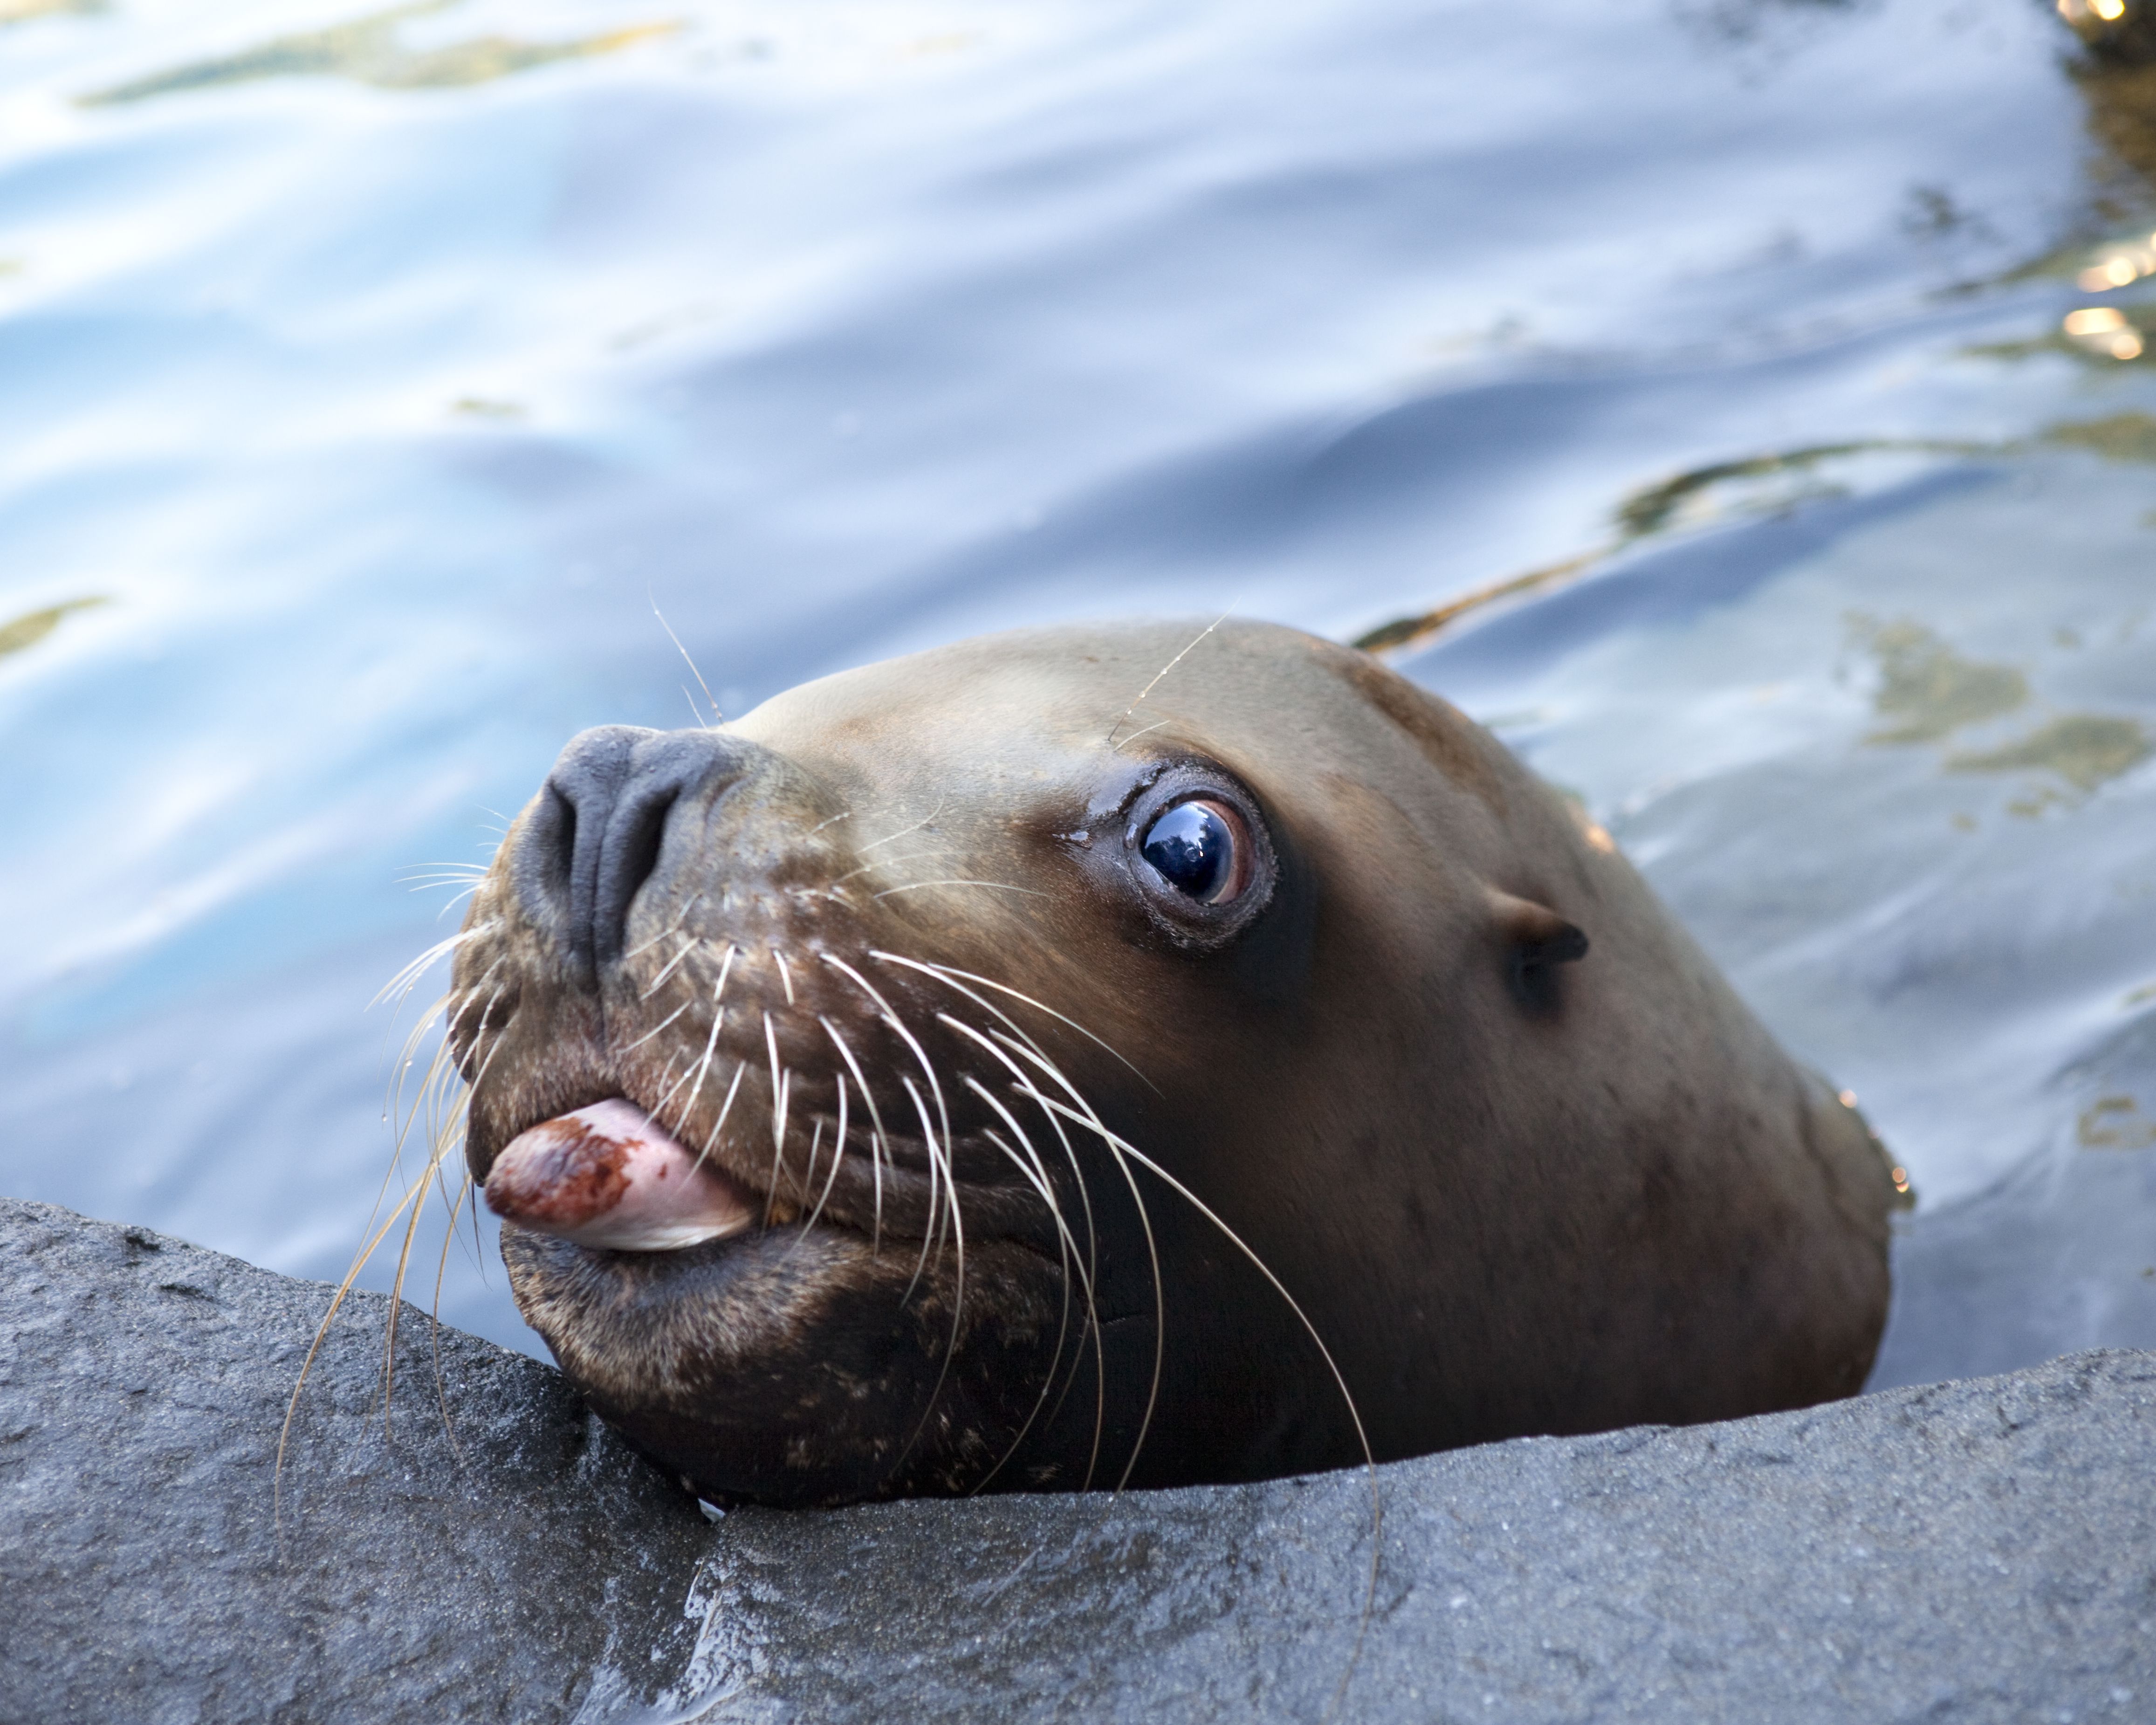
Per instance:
(962,1072)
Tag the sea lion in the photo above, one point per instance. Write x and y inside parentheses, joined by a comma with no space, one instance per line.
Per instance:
(1058,1085)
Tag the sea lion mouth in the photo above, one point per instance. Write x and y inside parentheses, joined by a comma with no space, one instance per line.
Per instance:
(608,1175)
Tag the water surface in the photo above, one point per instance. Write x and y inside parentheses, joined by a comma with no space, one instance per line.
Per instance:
(366,380)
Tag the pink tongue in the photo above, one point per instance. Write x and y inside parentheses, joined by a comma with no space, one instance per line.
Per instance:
(609,1176)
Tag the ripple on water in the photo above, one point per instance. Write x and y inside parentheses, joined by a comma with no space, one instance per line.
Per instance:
(1702,395)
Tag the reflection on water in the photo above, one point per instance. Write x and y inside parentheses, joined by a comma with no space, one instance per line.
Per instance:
(1706,396)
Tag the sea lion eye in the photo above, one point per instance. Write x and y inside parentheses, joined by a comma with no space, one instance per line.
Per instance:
(1202,848)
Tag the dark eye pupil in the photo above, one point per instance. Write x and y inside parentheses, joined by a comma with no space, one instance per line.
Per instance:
(1192,848)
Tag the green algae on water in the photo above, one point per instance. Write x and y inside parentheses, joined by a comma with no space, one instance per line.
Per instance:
(21,12)
(367,51)
(1927,687)
(2084,749)
(2119,437)
(26,631)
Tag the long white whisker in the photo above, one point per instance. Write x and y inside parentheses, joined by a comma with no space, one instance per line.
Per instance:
(688,946)
(710,1042)
(1164,671)
(838,1156)
(939,1163)
(1000,885)
(877,844)
(876,1139)
(659,1026)
(919,1055)
(945,973)
(673,927)
(1086,1117)
(781,1085)
(717,716)
(1065,1247)
(725,1108)
(1092,1241)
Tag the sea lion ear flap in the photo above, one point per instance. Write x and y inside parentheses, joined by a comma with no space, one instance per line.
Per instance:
(1536,941)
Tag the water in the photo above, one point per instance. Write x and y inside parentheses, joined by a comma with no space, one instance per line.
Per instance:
(365,383)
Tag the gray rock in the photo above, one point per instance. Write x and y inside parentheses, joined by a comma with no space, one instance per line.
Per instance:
(1978,1551)
(1973,1551)
(142,1386)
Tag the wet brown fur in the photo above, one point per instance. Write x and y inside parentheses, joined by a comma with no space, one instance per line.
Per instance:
(1608,1201)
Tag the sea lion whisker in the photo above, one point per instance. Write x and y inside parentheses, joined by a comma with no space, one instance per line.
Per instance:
(716,718)
(1065,1247)
(393,1104)
(1078,1172)
(1164,671)
(1091,1121)
(710,1044)
(392,1098)
(427,883)
(945,972)
(838,1156)
(785,975)
(885,862)
(1092,1269)
(997,1013)
(413,1194)
(408,975)
(688,946)
(878,844)
(667,1095)
(436,1076)
(441,1271)
(659,1026)
(875,1124)
(815,1149)
(780,1086)
(322,1331)
(447,1135)
(1001,886)
(939,1169)
(673,927)
(1065,1268)
(907,1036)
(725,1108)
(959,1285)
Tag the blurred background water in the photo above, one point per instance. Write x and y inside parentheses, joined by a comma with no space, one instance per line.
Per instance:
(367,380)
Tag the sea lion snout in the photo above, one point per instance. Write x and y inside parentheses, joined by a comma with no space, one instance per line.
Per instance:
(598,831)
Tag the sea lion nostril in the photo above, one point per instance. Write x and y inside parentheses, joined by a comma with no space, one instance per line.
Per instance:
(598,831)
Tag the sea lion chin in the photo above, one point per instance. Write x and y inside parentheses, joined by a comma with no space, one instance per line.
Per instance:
(949,1077)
